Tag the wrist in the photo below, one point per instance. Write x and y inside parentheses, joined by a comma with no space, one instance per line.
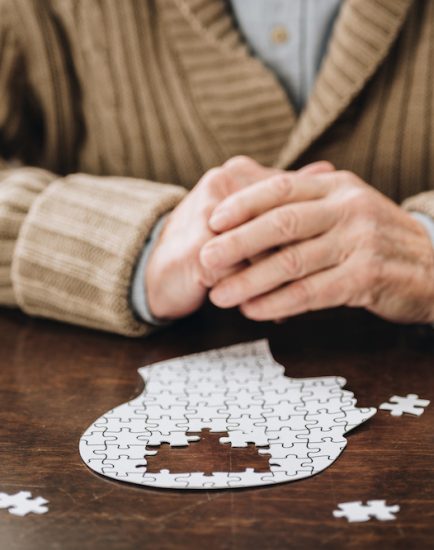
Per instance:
(156,281)
(426,222)
(154,284)
(139,297)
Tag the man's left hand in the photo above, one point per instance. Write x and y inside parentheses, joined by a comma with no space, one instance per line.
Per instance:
(320,241)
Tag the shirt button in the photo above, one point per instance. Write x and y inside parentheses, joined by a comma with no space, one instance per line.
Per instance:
(279,34)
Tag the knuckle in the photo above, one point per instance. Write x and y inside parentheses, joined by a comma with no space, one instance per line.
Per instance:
(330,291)
(214,183)
(364,280)
(361,200)
(291,261)
(301,292)
(347,177)
(252,310)
(232,203)
(285,222)
(347,185)
(328,166)
(204,276)
(231,243)
(369,280)
(201,276)
(374,271)
(281,185)
(360,204)
(368,236)
(239,162)
(212,180)
(243,282)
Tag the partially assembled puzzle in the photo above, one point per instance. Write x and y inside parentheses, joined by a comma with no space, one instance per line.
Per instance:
(241,390)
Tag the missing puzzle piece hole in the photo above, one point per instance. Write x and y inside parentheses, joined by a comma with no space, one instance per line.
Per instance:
(207,455)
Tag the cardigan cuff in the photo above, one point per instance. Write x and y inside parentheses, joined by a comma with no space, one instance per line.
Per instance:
(139,295)
(19,188)
(78,247)
(423,203)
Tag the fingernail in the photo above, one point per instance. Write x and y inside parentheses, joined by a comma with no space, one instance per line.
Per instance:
(218,220)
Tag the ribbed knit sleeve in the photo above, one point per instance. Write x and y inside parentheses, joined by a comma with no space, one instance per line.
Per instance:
(76,250)
(423,202)
(69,246)
(18,190)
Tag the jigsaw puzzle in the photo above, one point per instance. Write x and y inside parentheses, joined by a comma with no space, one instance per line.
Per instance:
(240,390)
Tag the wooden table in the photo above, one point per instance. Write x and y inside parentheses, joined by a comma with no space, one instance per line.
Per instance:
(56,379)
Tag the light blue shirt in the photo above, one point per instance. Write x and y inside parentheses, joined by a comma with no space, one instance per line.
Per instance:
(290,37)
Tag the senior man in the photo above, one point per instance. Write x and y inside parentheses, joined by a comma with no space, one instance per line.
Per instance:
(298,125)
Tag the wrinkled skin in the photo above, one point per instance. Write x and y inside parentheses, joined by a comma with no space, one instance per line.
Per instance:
(277,244)
(177,283)
(336,240)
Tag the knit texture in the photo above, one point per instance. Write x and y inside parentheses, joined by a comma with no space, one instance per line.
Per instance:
(78,245)
(104,98)
(424,203)
(18,191)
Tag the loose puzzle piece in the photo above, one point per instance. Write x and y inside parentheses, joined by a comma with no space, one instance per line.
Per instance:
(410,405)
(240,390)
(356,511)
(22,503)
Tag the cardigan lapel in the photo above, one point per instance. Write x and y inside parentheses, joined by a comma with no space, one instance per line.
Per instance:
(363,35)
(241,101)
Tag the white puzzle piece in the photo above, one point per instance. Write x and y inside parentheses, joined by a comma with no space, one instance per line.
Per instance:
(356,511)
(410,405)
(241,390)
(22,503)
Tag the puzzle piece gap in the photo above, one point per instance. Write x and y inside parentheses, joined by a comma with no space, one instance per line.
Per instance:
(240,397)
(208,455)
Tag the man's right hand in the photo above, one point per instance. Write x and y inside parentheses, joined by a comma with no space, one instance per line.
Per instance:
(176,283)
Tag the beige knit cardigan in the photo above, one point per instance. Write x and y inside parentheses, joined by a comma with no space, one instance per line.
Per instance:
(110,109)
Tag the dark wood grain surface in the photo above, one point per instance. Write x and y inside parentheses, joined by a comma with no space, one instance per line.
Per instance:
(56,379)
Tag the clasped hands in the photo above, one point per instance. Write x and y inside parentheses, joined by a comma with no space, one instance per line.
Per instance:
(276,244)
